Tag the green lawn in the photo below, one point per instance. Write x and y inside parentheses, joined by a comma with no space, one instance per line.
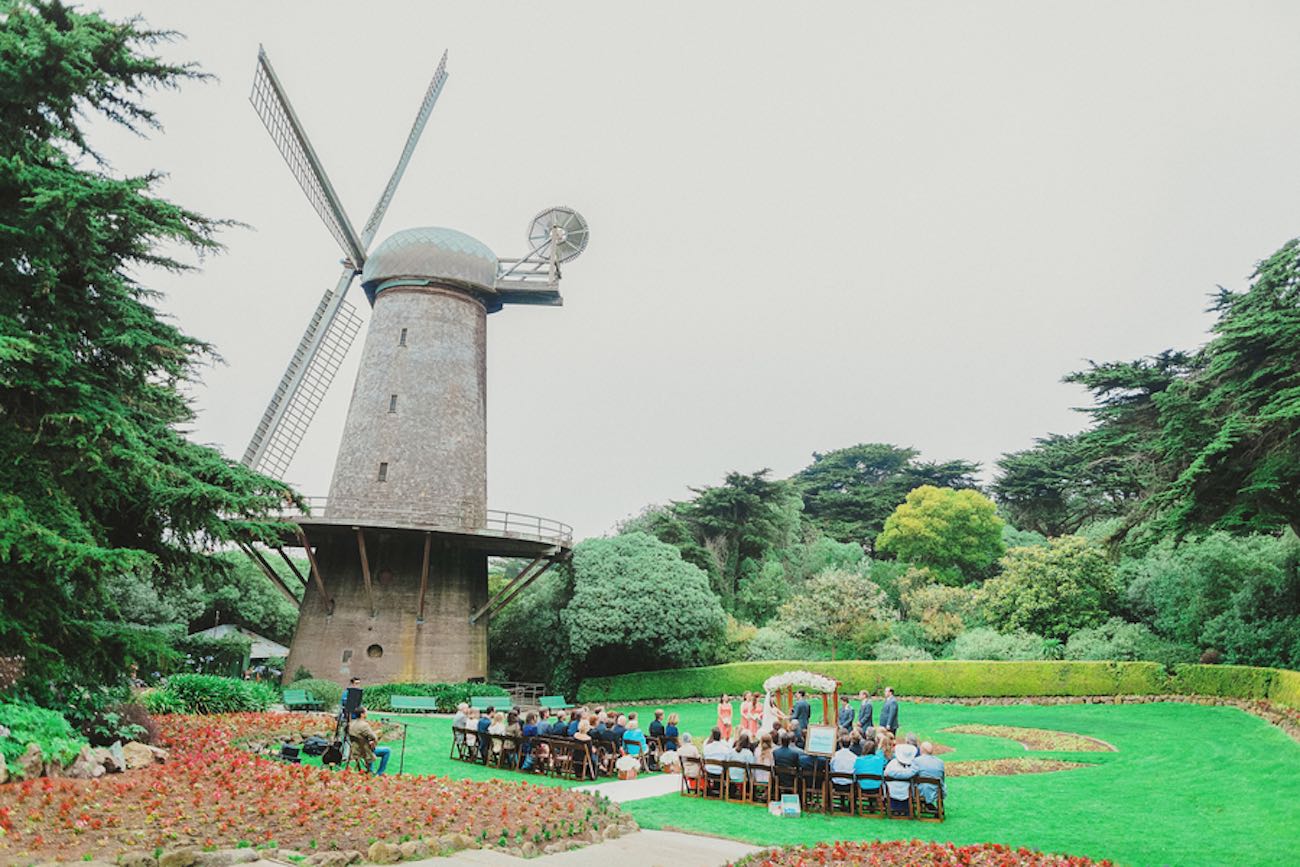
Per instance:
(1161,799)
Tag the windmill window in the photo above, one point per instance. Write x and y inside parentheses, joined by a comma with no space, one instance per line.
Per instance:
(383,472)
(392,403)
(401,340)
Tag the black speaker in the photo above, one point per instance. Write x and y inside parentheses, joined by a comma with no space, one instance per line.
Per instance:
(351,701)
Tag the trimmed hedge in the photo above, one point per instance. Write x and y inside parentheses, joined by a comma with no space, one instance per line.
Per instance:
(448,694)
(961,679)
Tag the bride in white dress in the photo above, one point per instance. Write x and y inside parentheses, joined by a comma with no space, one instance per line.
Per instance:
(771,714)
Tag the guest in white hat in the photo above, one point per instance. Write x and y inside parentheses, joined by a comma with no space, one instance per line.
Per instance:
(898,774)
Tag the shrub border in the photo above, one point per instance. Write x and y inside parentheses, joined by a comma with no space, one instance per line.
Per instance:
(966,679)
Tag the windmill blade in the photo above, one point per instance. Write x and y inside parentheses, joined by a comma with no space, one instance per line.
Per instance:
(319,355)
(277,114)
(417,129)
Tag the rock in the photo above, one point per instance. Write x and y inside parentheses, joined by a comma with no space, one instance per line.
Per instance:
(381,852)
(4,772)
(159,754)
(465,841)
(119,757)
(413,849)
(137,859)
(553,849)
(84,766)
(31,763)
(225,857)
(137,755)
(611,832)
(449,842)
(178,857)
(334,859)
(109,762)
(529,849)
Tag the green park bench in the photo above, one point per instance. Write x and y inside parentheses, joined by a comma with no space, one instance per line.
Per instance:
(301,698)
(554,702)
(413,702)
(483,702)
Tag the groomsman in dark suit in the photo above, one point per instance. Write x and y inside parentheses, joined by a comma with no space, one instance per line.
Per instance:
(889,711)
(864,711)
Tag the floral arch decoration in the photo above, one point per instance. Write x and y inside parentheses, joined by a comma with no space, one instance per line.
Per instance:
(781,687)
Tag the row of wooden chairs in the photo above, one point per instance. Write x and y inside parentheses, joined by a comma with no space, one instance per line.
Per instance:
(744,782)
(568,758)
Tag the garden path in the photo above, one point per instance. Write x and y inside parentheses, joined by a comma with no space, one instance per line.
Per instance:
(638,849)
(648,786)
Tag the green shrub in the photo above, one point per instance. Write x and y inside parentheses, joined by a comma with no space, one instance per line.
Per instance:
(1231,681)
(937,678)
(985,643)
(158,701)
(1116,639)
(891,650)
(208,693)
(449,695)
(226,656)
(1286,688)
(770,642)
(327,691)
(28,724)
(302,673)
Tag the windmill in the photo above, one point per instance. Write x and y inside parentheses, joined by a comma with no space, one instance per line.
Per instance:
(398,551)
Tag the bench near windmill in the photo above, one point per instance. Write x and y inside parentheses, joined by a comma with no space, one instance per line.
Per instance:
(397,586)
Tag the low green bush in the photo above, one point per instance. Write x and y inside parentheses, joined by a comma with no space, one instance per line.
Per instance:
(1230,681)
(327,691)
(208,693)
(28,724)
(449,695)
(926,678)
(1286,688)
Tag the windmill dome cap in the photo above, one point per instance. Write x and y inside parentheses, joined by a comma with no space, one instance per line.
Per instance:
(431,252)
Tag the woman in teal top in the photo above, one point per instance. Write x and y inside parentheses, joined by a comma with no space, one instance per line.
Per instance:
(634,739)
(870,762)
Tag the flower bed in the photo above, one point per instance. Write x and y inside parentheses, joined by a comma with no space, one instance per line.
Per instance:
(1009,767)
(1037,739)
(907,853)
(211,793)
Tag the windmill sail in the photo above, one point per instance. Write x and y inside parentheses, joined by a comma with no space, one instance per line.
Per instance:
(318,357)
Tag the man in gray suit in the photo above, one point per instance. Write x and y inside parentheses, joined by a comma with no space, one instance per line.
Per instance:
(889,711)
(927,764)
(864,711)
(801,711)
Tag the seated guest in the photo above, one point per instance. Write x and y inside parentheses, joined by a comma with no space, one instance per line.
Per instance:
(912,739)
(763,756)
(620,726)
(575,720)
(657,725)
(846,714)
(670,731)
(717,749)
(601,731)
(485,742)
(885,743)
(471,723)
(498,727)
(855,742)
(787,755)
(634,741)
(870,762)
(459,721)
(842,763)
(898,775)
(538,758)
(927,764)
(544,719)
(744,752)
(583,736)
(690,770)
(530,725)
(560,728)
(365,743)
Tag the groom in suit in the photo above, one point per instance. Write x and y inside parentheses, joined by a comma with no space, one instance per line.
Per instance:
(801,712)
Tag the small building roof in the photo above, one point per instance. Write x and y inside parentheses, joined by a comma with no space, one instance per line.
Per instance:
(263,647)
(431,252)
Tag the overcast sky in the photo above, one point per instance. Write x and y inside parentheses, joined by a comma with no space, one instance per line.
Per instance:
(810,227)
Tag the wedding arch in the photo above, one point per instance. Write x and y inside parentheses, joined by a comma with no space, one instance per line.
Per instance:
(781,688)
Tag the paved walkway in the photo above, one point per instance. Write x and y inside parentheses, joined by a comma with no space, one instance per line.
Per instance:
(639,849)
(649,786)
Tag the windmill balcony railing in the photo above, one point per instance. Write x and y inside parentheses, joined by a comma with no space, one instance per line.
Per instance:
(501,523)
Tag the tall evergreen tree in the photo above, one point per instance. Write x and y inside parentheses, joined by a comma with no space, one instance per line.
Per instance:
(97,476)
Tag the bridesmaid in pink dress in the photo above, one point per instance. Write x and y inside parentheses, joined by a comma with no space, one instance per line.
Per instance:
(750,715)
(724,717)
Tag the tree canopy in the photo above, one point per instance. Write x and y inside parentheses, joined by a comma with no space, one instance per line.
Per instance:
(97,476)
(957,533)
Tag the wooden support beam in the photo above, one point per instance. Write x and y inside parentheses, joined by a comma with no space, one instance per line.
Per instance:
(424,576)
(506,594)
(311,559)
(365,569)
(522,576)
(293,567)
(270,573)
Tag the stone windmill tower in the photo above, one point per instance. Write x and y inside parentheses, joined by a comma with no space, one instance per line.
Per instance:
(398,551)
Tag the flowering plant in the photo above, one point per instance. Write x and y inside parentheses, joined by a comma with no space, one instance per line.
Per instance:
(819,682)
(912,853)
